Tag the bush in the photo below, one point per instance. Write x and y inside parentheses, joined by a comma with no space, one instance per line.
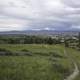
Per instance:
(5,52)
(56,54)
(2,49)
(26,52)
(9,53)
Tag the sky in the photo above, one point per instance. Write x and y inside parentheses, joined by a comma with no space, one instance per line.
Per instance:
(39,15)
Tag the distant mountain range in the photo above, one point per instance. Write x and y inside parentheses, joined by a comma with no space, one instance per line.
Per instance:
(39,32)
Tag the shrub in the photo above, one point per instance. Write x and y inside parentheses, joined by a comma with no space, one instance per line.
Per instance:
(5,52)
(2,49)
(26,52)
(56,54)
(9,53)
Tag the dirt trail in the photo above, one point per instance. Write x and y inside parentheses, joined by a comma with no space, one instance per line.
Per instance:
(76,70)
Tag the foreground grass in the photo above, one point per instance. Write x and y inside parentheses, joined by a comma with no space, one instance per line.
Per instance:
(35,67)
(76,56)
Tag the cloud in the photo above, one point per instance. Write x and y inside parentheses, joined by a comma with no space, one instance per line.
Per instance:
(39,14)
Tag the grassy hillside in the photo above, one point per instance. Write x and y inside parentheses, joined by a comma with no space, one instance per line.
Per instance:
(47,62)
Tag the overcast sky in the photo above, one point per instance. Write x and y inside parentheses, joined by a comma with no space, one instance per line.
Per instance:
(39,15)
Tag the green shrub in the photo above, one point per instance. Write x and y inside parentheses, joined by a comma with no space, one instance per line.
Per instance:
(26,52)
(5,52)
(2,49)
(56,54)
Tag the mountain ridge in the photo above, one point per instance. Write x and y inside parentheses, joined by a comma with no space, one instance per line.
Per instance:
(40,32)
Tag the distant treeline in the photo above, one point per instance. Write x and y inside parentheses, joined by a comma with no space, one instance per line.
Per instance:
(28,40)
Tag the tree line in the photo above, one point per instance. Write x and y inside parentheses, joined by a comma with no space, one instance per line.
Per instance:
(28,40)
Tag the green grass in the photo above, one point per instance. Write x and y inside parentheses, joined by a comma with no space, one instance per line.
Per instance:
(76,56)
(37,66)
(31,47)
(27,68)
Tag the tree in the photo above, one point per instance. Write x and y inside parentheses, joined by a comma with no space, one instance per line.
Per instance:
(66,43)
(49,40)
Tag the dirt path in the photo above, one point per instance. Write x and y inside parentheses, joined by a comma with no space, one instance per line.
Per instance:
(76,70)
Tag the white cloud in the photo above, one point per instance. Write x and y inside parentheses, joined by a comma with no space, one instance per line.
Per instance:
(76,27)
(39,14)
